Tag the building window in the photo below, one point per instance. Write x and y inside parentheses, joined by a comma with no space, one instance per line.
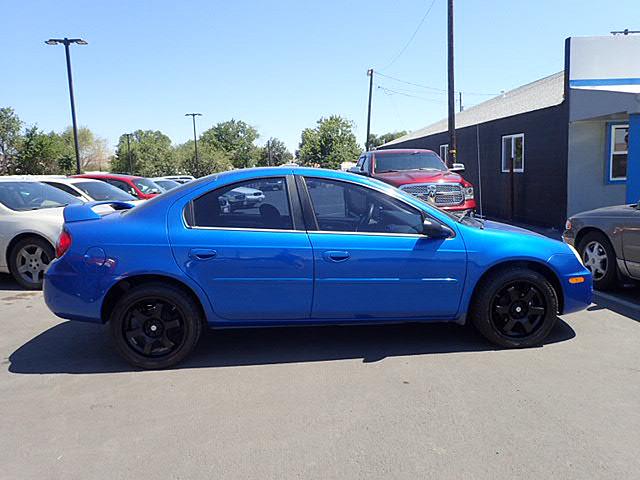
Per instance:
(444,152)
(513,149)
(618,150)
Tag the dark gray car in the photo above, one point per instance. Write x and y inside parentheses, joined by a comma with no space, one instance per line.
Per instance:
(608,240)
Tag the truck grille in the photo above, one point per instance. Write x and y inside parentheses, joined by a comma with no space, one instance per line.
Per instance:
(441,194)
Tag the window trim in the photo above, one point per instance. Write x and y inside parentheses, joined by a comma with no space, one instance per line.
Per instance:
(446,152)
(610,138)
(297,226)
(512,137)
(307,205)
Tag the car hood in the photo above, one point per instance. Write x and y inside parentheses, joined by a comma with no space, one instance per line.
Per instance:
(418,176)
(503,227)
(615,210)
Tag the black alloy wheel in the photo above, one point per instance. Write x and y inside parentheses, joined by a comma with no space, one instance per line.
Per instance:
(518,310)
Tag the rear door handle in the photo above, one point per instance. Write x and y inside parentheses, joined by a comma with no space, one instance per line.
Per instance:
(336,255)
(202,253)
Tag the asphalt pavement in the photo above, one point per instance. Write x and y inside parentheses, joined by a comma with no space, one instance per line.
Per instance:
(401,402)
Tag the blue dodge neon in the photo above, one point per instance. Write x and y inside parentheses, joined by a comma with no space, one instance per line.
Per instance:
(327,247)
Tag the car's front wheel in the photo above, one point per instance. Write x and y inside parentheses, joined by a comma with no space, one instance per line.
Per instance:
(155,325)
(600,258)
(515,307)
(28,260)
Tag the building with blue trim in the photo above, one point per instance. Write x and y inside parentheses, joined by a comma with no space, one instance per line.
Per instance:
(560,145)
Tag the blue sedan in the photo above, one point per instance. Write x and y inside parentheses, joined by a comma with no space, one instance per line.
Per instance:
(349,250)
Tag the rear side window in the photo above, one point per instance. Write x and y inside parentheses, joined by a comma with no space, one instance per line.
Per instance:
(255,204)
(64,188)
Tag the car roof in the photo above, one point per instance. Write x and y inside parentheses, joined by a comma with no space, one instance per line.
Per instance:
(115,176)
(401,150)
(25,178)
(70,180)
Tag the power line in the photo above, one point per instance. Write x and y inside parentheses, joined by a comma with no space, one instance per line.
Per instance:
(435,89)
(412,36)
(389,91)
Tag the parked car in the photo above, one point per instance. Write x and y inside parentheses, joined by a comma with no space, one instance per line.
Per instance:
(179,178)
(244,197)
(353,250)
(88,189)
(421,173)
(30,223)
(165,184)
(138,187)
(608,240)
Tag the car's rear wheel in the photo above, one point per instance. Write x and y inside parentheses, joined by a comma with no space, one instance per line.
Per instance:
(599,257)
(28,260)
(155,325)
(515,308)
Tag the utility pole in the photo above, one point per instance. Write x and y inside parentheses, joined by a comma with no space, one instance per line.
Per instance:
(366,142)
(460,100)
(195,140)
(128,135)
(66,42)
(451,158)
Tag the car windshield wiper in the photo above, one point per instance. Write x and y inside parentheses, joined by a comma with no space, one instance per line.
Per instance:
(388,171)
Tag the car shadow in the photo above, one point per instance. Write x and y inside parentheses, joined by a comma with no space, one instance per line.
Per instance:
(8,283)
(81,348)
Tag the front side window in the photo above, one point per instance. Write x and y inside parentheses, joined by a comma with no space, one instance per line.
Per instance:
(401,161)
(513,153)
(23,196)
(444,152)
(345,207)
(253,204)
(618,152)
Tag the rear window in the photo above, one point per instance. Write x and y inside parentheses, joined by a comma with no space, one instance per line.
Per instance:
(100,191)
(23,196)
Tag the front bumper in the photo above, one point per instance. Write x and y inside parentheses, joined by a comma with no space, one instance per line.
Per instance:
(577,296)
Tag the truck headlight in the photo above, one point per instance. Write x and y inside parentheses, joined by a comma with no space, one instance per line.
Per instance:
(468,193)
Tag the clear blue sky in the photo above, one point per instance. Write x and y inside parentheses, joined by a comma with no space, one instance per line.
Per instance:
(278,65)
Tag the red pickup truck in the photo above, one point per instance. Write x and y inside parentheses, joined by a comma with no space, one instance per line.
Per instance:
(421,173)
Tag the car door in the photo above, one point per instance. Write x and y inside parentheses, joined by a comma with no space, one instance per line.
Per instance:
(254,263)
(631,242)
(372,262)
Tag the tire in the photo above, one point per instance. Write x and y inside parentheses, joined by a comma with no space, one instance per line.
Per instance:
(515,308)
(29,259)
(155,325)
(598,255)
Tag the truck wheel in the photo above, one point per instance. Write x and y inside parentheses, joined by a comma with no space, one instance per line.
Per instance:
(600,258)
(155,325)
(515,308)
(28,260)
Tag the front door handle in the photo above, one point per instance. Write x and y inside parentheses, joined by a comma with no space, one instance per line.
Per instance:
(336,255)
(202,253)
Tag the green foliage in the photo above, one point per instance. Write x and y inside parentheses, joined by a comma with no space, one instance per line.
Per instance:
(151,154)
(41,154)
(375,141)
(10,126)
(274,153)
(210,159)
(329,144)
(93,149)
(236,138)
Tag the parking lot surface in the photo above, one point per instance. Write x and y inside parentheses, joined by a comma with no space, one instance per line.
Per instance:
(411,401)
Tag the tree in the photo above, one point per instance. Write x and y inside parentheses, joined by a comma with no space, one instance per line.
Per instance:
(329,144)
(41,154)
(274,153)
(375,141)
(10,126)
(151,154)
(210,159)
(93,149)
(236,138)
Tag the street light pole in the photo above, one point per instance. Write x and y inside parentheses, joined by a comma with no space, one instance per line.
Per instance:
(195,139)
(66,42)
(366,142)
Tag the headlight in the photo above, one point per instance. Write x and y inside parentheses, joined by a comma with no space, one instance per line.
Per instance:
(468,193)
(575,252)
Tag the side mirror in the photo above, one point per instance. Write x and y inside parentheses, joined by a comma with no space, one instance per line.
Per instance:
(433,229)
(457,167)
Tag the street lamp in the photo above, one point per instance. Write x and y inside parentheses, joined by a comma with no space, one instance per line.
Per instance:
(66,42)
(195,138)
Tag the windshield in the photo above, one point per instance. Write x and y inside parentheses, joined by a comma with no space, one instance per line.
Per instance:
(103,191)
(22,196)
(166,185)
(146,186)
(397,162)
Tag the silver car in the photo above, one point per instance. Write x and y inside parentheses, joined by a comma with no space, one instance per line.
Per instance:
(608,240)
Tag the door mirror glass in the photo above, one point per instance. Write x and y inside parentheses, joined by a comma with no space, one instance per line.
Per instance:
(457,167)
(433,229)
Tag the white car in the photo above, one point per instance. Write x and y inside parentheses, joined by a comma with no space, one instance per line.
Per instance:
(178,178)
(243,197)
(30,224)
(88,189)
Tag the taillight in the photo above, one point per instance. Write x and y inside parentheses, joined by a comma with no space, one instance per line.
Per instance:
(63,244)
